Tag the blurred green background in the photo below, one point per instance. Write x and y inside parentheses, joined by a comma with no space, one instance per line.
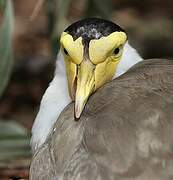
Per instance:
(29,33)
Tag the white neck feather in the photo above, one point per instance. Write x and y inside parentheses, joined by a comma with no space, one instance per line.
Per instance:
(129,58)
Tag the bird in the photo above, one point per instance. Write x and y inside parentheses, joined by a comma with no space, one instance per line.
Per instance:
(77,41)
(116,120)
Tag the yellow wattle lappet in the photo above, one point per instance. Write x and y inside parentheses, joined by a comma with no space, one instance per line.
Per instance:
(90,65)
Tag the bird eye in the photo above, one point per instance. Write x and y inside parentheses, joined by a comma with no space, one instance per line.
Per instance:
(65,51)
(116,51)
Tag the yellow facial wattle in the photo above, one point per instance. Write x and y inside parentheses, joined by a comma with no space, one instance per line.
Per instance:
(75,48)
(101,49)
(87,72)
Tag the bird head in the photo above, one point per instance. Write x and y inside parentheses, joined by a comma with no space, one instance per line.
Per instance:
(92,49)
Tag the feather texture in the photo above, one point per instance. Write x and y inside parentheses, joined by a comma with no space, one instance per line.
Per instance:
(124,133)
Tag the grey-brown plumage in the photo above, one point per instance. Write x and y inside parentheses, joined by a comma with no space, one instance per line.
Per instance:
(124,133)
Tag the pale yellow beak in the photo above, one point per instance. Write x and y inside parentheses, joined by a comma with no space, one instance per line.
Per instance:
(85,78)
(85,85)
(86,72)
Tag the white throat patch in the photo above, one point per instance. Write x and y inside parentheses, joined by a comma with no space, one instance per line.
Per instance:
(129,57)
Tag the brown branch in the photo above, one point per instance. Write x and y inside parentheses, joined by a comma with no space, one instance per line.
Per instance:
(36,9)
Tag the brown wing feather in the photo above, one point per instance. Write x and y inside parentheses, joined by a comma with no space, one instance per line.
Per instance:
(125,132)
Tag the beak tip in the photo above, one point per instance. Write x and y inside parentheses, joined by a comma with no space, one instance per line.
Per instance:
(77,112)
(76,118)
(79,106)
